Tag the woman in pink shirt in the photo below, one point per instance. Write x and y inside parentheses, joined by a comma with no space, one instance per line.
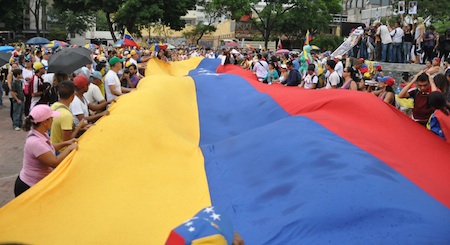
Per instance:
(39,154)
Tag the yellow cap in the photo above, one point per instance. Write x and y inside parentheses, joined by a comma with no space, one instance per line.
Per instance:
(37,66)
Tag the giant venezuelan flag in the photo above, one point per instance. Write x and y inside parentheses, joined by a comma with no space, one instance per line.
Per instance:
(287,166)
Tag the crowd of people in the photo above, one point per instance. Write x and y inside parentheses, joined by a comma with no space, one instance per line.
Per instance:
(57,108)
(421,96)
(402,43)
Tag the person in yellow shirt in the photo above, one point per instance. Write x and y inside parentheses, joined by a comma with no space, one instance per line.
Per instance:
(63,127)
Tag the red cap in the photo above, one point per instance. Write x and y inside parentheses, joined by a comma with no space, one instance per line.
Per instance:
(388,80)
(80,81)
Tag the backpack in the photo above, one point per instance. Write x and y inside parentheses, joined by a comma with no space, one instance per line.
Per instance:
(42,87)
(341,82)
(318,84)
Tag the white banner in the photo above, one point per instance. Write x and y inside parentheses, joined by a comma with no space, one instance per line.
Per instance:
(349,43)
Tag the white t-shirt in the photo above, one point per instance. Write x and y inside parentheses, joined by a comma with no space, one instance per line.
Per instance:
(94,94)
(133,61)
(27,74)
(310,80)
(111,78)
(260,69)
(78,107)
(332,80)
(36,82)
(339,68)
(385,36)
(397,35)
(48,77)
(45,63)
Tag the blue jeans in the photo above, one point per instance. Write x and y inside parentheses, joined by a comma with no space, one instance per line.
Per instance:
(17,114)
(386,50)
(363,51)
(397,52)
(407,51)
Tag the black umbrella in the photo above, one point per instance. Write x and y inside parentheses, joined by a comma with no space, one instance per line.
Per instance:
(68,60)
(37,41)
(4,58)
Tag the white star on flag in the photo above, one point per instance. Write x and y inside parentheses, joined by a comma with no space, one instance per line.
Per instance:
(190,220)
(191,229)
(209,210)
(189,223)
(215,216)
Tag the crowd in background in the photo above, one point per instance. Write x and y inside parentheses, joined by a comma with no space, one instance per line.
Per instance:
(402,43)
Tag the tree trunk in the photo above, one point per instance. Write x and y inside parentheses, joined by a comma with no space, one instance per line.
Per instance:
(198,39)
(266,38)
(36,17)
(110,26)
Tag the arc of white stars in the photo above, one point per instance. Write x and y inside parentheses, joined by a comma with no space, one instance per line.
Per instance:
(209,210)
(215,216)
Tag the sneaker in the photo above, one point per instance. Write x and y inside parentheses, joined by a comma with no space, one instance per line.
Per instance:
(17,128)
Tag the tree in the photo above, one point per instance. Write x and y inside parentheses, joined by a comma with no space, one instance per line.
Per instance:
(316,21)
(35,7)
(109,7)
(199,31)
(212,14)
(160,30)
(274,13)
(101,24)
(437,9)
(12,15)
(69,22)
(146,12)
(133,14)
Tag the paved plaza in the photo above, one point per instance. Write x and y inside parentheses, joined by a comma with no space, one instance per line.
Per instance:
(11,153)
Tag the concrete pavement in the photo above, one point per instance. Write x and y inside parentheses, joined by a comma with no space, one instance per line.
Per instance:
(11,153)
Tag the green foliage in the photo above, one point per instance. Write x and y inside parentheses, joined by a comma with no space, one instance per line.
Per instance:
(283,16)
(438,9)
(69,21)
(132,14)
(315,16)
(57,33)
(327,42)
(101,23)
(161,30)
(199,31)
(89,7)
(441,26)
(12,14)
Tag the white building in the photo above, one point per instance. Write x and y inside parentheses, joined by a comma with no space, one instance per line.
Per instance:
(29,19)
(364,10)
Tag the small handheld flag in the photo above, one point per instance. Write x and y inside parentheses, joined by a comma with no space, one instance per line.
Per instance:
(128,40)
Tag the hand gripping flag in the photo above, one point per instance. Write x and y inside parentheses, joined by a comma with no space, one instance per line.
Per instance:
(128,40)
(284,164)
